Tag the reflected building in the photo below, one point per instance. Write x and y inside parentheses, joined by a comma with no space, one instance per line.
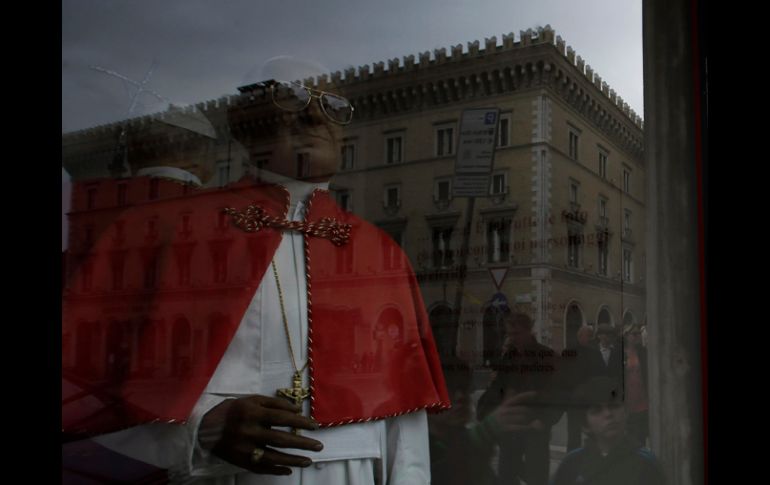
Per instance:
(561,227)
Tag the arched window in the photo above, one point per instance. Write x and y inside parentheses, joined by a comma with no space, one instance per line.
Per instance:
(604,317)
(628,319)
(573,320)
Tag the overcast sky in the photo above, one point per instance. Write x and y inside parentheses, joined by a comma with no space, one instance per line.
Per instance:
(205,49)
(200,50)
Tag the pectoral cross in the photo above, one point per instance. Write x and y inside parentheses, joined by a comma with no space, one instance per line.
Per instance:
(296,393)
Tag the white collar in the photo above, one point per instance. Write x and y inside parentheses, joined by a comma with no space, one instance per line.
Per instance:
(298,190)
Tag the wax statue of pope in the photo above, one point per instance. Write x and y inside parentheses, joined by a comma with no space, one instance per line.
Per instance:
(275,397)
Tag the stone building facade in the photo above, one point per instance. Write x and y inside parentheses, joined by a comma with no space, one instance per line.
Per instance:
(559,236)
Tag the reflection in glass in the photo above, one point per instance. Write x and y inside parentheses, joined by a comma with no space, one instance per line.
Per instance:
(539,246)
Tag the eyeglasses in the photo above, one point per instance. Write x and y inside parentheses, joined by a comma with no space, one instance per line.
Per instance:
(295,97)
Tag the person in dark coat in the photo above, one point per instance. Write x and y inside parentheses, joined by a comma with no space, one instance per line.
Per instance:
(611,350)
(635,384)
(525,367)
(461,448)
(580,364)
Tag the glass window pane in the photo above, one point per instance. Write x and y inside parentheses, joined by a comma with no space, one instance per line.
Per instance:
(270,199)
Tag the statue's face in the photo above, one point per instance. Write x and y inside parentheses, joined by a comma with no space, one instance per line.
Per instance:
(303,144)
(308,145)
(290,127)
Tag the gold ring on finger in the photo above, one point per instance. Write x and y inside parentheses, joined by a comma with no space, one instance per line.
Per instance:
(257,454)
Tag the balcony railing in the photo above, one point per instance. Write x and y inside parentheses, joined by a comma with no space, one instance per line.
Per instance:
(392,208)
(499,197)
(441,204)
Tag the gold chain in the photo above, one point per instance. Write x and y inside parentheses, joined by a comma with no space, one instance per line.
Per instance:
(286,321)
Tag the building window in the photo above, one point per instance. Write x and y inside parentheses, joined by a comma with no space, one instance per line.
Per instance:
(504,130)
(88,272)
(602,164)
(443,256)
(89,235)
(604,220)
(345,200)
(348,154)
(259,259)
(183,261)
(344,260)
(628,265)
(391,254)
(91,198)
(499,184)
(185,229)
(499,240)
(221,220)
(603,246)
(442,190)
(303,165)
(184,271)
(118,270)
(151,270)
(394,149)
(122,194)
(154,188)
(573,192)
(392,199)
(573,143)
(219,256)
(152,229)
(574,239)
(120,232)
(444,140)
(627,223)
(626,180)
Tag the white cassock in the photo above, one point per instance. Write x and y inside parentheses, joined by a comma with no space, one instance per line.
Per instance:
(257,361)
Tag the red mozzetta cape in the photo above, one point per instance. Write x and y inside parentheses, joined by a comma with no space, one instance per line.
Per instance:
(156,291)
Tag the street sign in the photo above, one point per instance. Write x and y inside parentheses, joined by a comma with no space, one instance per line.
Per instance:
(498,275)
(475,152)
(499,302)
